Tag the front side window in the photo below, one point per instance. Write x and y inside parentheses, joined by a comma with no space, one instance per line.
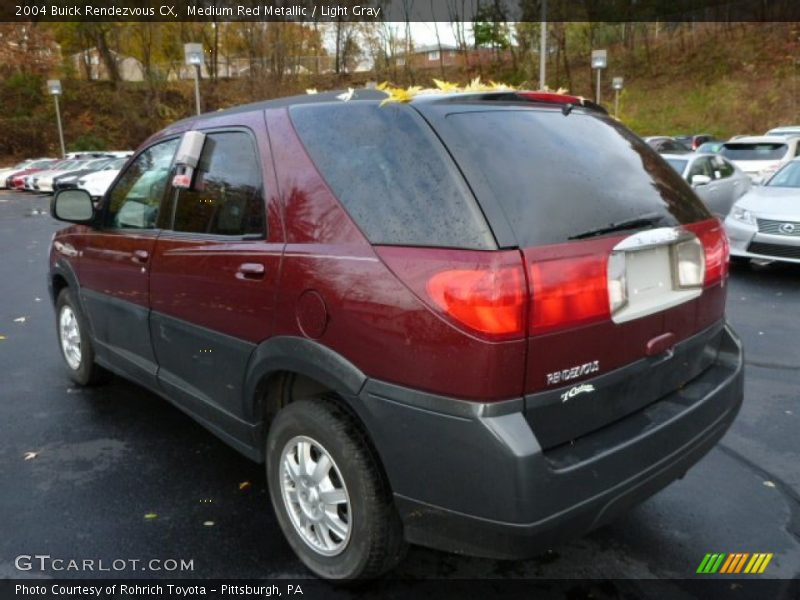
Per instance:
(135,200)
(227,199)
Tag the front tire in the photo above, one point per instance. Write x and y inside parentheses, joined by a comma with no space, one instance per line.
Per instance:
(75,342)
(332,503)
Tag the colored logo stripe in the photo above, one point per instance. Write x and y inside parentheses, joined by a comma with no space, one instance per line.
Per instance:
(734,563)
(711,563)
(758,563)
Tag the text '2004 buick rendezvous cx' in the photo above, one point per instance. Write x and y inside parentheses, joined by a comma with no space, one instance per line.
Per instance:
(475,321)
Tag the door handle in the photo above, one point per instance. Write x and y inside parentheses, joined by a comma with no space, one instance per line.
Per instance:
(140,256)
(250,271)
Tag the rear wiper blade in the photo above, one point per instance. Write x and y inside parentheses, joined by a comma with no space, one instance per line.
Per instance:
(635,223)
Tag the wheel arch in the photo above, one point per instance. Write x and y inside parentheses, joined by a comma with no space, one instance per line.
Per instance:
(283,358)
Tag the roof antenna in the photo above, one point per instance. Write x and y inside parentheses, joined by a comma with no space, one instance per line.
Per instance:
(567,108)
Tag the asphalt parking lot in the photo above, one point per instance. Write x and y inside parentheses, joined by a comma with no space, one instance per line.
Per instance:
(116,473)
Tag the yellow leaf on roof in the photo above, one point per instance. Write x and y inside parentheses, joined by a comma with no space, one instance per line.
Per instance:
(446,86)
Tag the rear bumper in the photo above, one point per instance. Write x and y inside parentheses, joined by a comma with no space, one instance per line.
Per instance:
(472,478)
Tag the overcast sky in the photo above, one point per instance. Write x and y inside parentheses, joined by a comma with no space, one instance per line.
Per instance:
(425,34)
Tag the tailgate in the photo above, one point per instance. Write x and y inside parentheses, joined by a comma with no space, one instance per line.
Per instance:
(590,364)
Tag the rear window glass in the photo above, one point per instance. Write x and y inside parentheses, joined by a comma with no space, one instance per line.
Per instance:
(754,151)
(391,174)
(558,177)
(678,165)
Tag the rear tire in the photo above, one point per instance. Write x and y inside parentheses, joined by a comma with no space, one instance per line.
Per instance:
(331,500)
(75,343)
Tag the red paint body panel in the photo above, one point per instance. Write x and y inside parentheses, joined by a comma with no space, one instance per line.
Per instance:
(196,281)
(197,278)
(375,321)
(109,265)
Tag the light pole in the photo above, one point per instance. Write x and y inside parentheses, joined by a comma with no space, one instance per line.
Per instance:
(617,84)
(193,55)
(599,62)
(543,46)
(54,87)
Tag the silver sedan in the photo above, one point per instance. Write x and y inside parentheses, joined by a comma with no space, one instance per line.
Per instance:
(765,223)
(717,181)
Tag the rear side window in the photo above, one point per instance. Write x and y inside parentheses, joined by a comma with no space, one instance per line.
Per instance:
(558,177)
(763,151)
(229,201)
(391,174)
(723,167)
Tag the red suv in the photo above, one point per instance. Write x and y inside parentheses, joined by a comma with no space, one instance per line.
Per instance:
(478,322)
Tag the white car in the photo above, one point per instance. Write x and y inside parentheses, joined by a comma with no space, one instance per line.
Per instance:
(784,131)
(98,182)
(51,169)
(44,181)
(717,181)
(761,156)
(765,222)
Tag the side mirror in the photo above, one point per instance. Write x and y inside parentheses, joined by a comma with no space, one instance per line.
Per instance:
(698,180)
(73,206)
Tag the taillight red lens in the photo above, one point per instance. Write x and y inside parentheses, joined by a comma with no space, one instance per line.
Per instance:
(482,292)
(487,300)
(569,292)
(717,249)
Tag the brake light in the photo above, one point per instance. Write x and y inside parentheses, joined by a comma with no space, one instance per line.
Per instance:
(550,97)
(490,300)
(482,292)
(569,291)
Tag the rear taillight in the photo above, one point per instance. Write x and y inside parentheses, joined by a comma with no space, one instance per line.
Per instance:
(568,292)
(484,293)
(490,301)
(716,248)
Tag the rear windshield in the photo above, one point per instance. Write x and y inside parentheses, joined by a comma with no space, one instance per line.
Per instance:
(763,151)
(391,174)
(558,177)
(678,165)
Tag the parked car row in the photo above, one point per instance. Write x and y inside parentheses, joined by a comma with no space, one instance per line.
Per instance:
(48,175)
(753,183)
(758,156)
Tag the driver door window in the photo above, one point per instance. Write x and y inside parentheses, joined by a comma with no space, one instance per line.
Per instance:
(136,199)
